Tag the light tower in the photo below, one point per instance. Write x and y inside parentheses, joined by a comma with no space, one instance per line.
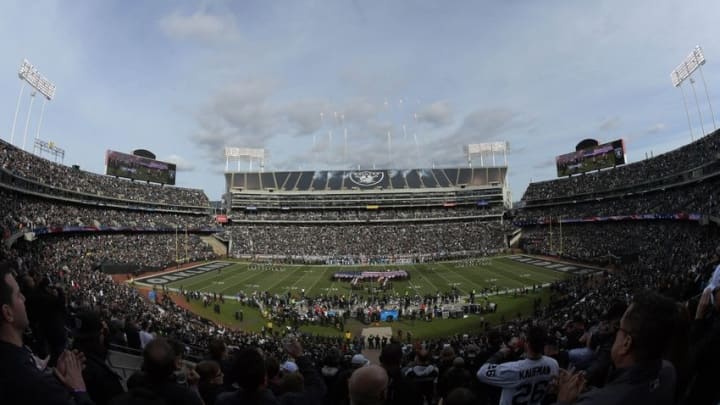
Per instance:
(28,74)
(683,72)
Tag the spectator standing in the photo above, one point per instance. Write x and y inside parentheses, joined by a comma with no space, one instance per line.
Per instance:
(526,380)
(368,386)
(401,390)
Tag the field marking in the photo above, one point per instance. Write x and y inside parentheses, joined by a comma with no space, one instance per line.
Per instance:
(456,270)
(209,277)
(426,279)
(541,272)
(323,274)
(449,282)
(298,280)
(240,275)
(287,275)
(510,273)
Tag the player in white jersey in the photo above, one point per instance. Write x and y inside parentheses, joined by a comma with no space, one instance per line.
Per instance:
(526,381)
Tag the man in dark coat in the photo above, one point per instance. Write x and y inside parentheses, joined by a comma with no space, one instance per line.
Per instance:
(401,390)
(640,375)
(24,379)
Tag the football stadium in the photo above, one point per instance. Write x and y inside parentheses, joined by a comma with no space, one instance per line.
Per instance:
(347,283)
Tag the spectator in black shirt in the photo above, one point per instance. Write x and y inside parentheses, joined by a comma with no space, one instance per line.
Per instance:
(401,390)
(24,379)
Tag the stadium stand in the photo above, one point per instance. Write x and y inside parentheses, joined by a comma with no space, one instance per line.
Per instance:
(370,215)
(628,344)
(26,166)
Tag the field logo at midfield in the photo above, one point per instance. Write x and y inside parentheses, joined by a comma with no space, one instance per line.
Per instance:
(161,279)
(366,178)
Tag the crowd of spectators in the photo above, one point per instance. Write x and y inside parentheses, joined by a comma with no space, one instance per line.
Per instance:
(693,155)
(646,329)
(695,198)
(657,244)
(582,318)
(367,215)
(25,212)
(29,166)
(355,240)
(148,250)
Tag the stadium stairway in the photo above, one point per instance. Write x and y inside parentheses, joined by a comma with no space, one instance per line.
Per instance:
(218,247)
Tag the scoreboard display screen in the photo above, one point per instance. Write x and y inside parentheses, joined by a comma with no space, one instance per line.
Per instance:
(139,168)
(609,154)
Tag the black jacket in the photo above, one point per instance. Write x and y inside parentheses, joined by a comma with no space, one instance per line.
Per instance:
(22,383)
(240,397)
(641,384)
(103,384)
(704,358)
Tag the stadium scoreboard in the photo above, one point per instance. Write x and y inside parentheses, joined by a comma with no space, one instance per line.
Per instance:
(596,157)
(139,168)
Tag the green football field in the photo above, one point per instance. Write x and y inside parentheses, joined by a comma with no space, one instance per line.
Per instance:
(501,272)
(316,280)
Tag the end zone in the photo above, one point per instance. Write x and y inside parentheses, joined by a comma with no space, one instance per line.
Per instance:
(175,275)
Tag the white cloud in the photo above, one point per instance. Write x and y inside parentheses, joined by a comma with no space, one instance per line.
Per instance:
(437,114)
(182,165)
(198,26)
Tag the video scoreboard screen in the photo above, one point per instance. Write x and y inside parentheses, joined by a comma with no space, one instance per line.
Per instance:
(139,168)
(609,154)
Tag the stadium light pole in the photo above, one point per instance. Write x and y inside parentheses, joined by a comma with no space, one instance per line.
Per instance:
(707,95)
(27,120)
(17,110)
(687,113)
(692,62)
(702,126)
(42,113)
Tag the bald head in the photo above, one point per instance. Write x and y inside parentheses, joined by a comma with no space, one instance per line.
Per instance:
(367,386)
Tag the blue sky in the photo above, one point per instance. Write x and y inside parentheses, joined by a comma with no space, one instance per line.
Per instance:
(184,79)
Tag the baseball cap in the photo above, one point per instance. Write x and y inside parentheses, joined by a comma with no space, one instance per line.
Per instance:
(289,367)
(359,360)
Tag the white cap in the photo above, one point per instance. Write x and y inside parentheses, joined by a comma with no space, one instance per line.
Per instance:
(289,367)
(359,360)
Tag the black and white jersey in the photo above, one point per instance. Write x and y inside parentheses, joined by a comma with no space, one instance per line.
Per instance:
(523,382)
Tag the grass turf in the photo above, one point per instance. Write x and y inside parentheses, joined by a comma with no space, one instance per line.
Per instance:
(424,278)
(316,280)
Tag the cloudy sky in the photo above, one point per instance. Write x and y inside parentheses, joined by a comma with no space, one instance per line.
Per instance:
(184,79)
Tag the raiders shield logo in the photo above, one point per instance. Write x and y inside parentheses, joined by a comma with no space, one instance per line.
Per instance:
(366,178)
